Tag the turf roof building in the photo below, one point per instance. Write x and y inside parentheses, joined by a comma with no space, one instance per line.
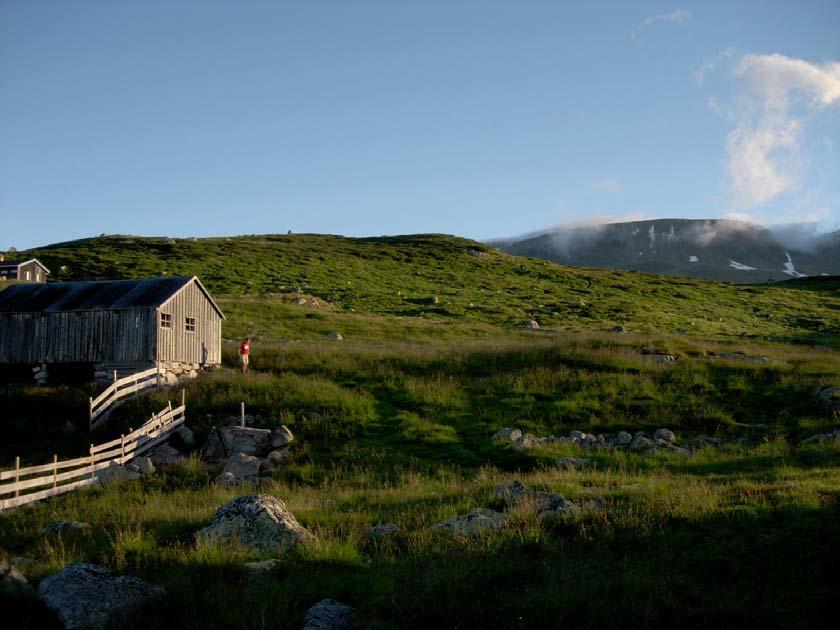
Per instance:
(24,270)
(171,323)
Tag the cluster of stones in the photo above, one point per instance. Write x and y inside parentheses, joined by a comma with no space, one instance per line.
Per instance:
(661,440)
(822,438)
(248,453)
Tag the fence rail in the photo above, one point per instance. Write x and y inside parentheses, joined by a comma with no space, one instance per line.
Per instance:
(121,450)
(118,391)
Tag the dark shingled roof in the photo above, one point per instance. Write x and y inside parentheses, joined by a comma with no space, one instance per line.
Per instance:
(56,297)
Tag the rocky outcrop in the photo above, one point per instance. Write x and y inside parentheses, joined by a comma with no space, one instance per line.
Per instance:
(226,441)
(115,473)
(471,523)
(165,455)
(328,614)
(258,521)
(663,440)
(87,596)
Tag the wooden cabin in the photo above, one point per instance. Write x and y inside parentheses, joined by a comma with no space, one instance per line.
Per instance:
(23,270)
(126,326)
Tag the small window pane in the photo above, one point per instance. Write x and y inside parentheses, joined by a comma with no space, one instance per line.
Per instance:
(190,324)
(166,320)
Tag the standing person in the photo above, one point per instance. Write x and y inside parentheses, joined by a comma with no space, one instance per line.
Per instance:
(244,351)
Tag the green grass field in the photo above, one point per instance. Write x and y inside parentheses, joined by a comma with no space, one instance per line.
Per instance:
(394,425)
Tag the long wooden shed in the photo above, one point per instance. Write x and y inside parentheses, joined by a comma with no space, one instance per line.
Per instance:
(127,326)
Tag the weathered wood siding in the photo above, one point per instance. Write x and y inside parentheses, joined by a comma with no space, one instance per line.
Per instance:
(78,337)
(204,346)
(35,271)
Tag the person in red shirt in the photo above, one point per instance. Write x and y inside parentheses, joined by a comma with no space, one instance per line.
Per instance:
(244,351)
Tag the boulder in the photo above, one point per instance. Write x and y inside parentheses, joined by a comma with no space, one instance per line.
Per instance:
(243,467)
(186,435)
(623,439)
(507,434)
(258,521)
(524,442)
(531,324)
(227,479)
(63,528)
(165,455)
(573,463)
(144,465)
(245,440)
(87,596)
(114,473)
(213,448)
(328,614)
(517,493)
(335,336)
(473,522)
(281,436)
(278,458)
(665,434)
(11,579)
(641,443)
(829,398)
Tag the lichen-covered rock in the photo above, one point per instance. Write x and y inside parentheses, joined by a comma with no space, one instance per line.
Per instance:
(517,493)
(573,463)
(258,521)
(114,473)
(87,596)
(473,522)
(246,440)
(665,434)
(623,439)
(507,434)
(328,614)
(144,465)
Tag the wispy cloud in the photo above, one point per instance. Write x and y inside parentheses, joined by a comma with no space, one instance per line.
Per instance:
(606,184)
(678,16)
(775,97)
(712,63)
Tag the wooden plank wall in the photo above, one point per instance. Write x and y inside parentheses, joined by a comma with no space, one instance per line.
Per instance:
(202,346)
(78,337)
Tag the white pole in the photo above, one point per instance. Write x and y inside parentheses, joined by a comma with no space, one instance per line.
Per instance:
(242,414)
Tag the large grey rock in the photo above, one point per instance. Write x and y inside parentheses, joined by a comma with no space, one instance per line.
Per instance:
(186,435)
(257,520)
(517,493)
(328,614)
(144,465)
(573,463)
(243,467)
(246,440)
(86,596)
(524,442)
(63,528)
(114,473)
(473,522)
(213,447)
(281,436)
(666,435)
(623,439)
(278,458)
(165,455)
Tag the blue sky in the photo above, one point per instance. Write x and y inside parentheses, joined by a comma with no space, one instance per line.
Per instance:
(482,119)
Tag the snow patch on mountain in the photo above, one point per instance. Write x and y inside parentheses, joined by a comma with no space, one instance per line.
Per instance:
(741,266)
(791,270)
(652,235)
(693,259)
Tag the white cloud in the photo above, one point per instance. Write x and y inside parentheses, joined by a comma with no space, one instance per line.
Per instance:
(678,16)
(606,184)
(711,63)
(774,98)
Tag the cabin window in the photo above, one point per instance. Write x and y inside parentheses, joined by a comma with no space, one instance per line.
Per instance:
(191,324)
(37,276)
(166,320)
(28,275)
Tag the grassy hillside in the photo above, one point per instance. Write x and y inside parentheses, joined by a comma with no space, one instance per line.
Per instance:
(447,279)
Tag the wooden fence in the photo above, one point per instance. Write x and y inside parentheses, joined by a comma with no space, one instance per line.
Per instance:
(118,391)
(81,472)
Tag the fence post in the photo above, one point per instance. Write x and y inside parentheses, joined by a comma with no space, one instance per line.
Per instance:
(90,412)
(92,475)
(122,448)
(242,414)
(17,473)
(157,377)
(55,470)
(115,376)
(183,397)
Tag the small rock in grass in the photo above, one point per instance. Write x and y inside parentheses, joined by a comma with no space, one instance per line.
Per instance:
(63,527)
(279,457)
(281,436)
(508,434)
(144,465)
(381,530)
(328,614)
(262,566)
(623,439)
(87,596)
(114,473)
(473,522)
(573,463)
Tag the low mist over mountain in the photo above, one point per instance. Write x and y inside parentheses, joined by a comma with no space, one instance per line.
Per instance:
(715,249)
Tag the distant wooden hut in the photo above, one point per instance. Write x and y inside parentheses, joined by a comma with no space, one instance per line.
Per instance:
(31,270)
(127,326)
